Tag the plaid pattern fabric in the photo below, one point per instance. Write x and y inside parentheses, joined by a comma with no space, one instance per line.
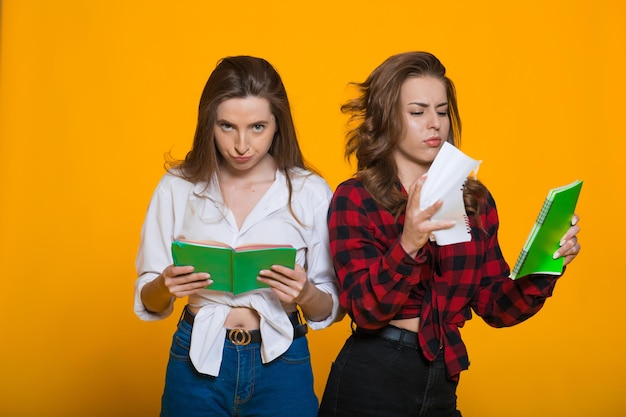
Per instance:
(379,281)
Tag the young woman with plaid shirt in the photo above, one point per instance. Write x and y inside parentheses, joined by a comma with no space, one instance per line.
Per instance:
(406,295)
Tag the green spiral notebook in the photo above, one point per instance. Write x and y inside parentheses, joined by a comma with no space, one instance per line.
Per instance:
(552,223)
(233,270)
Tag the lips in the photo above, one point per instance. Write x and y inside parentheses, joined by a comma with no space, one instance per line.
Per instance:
(433,142)
(242,159)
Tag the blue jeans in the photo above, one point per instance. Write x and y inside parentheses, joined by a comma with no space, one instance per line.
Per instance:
(244,387)
(373,376)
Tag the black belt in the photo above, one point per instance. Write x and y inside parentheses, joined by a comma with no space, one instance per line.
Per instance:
(395,334)
(244,337)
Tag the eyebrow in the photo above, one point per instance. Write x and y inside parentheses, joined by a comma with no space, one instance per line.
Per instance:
(426,105)
(257,122)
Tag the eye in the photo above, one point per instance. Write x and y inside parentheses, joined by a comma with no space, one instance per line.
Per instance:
(226,126)
(443,113)
(416,113)
(258,127)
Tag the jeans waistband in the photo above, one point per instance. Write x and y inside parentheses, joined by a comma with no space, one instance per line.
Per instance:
(244,337)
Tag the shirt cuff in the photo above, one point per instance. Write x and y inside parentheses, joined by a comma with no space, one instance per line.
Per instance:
(404,264)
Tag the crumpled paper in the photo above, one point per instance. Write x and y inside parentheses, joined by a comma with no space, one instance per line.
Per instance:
(445,181)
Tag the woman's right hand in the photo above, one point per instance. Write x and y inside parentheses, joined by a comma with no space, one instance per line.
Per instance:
(174,281)
(417,224)
(181,281)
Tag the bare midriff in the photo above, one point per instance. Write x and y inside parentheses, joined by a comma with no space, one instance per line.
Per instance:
(244,317)
(407,324)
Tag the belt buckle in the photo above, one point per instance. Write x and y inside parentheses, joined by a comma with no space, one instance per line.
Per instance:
(239,337)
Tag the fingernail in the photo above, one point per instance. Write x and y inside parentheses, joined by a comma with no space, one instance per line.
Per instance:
(556,255)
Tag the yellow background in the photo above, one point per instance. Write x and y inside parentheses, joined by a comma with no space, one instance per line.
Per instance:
(93,93)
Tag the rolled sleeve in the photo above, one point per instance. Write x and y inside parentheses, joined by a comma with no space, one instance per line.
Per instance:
(157,234)
(319,263)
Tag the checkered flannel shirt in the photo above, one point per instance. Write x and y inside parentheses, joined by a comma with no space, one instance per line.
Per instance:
(379,281)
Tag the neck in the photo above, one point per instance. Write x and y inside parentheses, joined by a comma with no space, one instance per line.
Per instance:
(409,177)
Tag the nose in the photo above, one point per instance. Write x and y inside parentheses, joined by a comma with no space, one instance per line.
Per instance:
(241,144)
(434,121)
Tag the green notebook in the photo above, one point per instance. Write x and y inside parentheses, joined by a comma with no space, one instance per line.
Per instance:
(233,270)
(552,223)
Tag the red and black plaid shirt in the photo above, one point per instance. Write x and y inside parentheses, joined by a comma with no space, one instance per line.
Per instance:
(379,281)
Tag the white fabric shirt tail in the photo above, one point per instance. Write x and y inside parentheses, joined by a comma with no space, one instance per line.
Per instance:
(180,209)
(445,181)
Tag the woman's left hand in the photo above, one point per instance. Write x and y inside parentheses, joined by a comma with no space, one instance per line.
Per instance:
(292,286)
(289,285)
(569,244)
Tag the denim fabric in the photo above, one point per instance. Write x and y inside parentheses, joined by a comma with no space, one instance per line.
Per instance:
(245,387)
(373,376)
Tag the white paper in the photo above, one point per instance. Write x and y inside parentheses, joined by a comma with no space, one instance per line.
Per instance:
(446,178)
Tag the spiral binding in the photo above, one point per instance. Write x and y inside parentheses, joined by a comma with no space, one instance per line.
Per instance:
(544,211)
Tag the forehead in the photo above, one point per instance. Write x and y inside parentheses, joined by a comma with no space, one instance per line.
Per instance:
(247,108)
(424,89)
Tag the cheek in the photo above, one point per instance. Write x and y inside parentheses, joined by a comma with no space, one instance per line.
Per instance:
(414,128)
(221,142)
(265,142)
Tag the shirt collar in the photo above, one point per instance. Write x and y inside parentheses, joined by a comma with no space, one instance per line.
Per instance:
(275,198)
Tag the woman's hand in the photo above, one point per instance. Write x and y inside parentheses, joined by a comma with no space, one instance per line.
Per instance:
(174,281)
(292,286)
(569,244)
(181,281)
(417,224)
(289,285)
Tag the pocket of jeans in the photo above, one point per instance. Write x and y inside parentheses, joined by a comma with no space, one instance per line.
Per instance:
(298,352)
(180,345)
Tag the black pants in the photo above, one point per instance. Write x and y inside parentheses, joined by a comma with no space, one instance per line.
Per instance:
(373,376)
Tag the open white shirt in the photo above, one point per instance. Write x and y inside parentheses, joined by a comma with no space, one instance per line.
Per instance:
(180,209)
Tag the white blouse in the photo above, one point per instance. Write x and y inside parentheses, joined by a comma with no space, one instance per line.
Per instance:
(180,209)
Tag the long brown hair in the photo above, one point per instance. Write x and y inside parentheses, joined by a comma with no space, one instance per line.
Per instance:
(240,77)
(378,127)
